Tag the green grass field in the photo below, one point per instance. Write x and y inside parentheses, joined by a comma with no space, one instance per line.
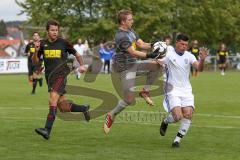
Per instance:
(214,134)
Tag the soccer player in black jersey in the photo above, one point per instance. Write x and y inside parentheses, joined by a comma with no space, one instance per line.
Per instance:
(33,69)
(194,49)
(55,51)
(222,57)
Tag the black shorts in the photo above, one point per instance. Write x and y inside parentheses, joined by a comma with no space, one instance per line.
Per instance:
(34,68)
(30,69)
(222,60)
(57,84)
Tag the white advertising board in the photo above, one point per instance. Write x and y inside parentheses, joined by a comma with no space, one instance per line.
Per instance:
(18,65)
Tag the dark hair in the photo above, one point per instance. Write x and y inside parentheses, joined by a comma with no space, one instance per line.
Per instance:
(122,15)
(36,33)
(182,37)
(167,37)
(53,23)
(220,46)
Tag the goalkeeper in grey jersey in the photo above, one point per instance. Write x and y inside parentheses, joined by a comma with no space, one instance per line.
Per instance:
(126,65)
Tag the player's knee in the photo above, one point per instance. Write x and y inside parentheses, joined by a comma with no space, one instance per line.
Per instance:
(187,115)
(53,100)
(129,100)
(52,103)
(177,117)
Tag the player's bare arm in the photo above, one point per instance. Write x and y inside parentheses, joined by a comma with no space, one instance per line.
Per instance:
(35,58)
(143,45)
(203,53)
(154,54)
(217,57)
(136,53)
(227,58)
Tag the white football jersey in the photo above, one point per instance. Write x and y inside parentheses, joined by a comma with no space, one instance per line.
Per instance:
(177,70)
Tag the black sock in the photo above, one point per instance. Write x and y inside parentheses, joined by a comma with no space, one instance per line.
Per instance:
(108,68)
(40,81)
(50,118)
(77,108)
(104,66)
(180,135)
(34,85)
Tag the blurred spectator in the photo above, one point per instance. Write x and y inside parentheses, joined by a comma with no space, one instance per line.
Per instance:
(168,40)
(80,48)
(106,52)
(86,47)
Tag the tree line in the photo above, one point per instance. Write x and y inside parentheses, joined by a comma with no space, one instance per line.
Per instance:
(209,21)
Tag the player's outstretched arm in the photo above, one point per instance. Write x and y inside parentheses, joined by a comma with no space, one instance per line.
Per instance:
(154,54)
(143,45)
(136,53)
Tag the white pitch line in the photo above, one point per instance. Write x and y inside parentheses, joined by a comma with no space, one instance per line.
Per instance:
(192,125)
(126,122)
(20,118)
(149,112)
(24,108)
(218,116)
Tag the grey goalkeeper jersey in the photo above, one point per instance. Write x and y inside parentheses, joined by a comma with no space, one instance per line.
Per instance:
(123,60)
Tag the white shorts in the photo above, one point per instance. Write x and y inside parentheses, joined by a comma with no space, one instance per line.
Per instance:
(171,101)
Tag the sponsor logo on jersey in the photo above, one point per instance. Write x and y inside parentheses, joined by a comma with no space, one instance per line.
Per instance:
(195,50)
(32,50)
(52,53)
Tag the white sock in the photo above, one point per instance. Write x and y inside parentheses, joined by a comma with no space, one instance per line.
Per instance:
(78,75)
(185,124)
(169,119)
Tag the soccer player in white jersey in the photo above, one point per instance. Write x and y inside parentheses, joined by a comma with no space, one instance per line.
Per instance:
(179,100)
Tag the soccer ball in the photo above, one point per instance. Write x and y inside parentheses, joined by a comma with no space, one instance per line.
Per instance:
(161,47)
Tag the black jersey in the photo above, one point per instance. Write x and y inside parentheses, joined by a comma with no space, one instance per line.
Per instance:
(30,48)
(55,53)
(195,52)
(222,54)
